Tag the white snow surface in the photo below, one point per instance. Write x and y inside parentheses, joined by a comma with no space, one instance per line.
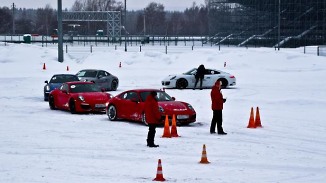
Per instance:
(41,145)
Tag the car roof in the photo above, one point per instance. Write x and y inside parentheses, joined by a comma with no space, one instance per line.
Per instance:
(79,82)
(91,70)
(142,90)
(64,75)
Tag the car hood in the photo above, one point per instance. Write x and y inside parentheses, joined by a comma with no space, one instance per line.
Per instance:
(173,105)
(54,85)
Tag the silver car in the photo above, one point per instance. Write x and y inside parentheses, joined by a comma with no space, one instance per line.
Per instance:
(103,78)
(187,80)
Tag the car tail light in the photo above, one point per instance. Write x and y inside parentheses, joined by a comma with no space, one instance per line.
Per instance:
(232,76)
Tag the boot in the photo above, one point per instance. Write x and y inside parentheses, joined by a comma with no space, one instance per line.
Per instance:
(220,131)
(153,145)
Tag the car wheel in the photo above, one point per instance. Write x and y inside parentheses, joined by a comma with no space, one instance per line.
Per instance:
(112,113)
(51,102)
(143,119)
(72,107)
(181,83)
(114,85)
(224,83)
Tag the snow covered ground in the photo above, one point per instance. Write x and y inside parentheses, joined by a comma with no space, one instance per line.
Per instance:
(41,145)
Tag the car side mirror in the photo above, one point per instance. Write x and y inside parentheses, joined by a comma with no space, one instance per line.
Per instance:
(173,98)
(46,82)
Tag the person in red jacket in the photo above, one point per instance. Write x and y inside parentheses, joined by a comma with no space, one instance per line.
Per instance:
(153,117)
(217,107)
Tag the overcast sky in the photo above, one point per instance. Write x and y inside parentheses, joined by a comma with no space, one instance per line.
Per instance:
(131,4)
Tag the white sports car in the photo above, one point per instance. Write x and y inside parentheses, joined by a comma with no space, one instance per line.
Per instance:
(187,80)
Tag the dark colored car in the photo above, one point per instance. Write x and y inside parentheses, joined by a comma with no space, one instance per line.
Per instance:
(129,105)
(79,97)
(103,78)
(56,81)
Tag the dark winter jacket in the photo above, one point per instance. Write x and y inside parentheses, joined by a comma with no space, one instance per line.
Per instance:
(201,70)
(217,98)
(152,113)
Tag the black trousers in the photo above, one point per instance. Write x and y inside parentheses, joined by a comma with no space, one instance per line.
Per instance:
(217,121)
(151,134)
(200,82)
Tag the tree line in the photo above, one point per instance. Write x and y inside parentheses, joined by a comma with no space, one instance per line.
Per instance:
(152,20)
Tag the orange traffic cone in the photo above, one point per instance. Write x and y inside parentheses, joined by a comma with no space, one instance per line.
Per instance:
(44,67)
(159,174)
(67,68)
(251,123)
(120,65)
(257,119)
(204,156)
(174,132)
(166,132)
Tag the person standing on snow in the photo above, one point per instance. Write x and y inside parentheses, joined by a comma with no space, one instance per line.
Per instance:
(201,70)
(153,117)
(217,107)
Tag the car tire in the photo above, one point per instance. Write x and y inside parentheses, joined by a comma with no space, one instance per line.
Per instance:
(51,102)
(112,113)
(72,107)
(181,83)
(224,83)
(143,119)
(114,85)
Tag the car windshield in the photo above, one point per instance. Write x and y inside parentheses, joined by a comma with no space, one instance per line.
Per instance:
(81,88)
(191,72)
(161,96)
(63,78)
(90,74)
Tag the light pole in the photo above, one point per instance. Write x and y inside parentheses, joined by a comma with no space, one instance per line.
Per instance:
(279,25)
(60,37)
(125,25)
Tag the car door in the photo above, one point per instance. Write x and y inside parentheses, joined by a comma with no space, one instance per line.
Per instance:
(129,105)
(63,96)
(211,77)
(103,79)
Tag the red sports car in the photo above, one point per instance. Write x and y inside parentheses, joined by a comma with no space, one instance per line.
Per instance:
(79,96)
(129,105)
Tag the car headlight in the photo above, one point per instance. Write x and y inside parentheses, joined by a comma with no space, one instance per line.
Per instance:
(160,109)
(81,98)
(173,77)
(47,88)
(190,107)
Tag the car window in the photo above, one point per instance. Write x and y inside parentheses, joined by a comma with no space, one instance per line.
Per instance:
(191,72)
(64,87)
(130,95)
(101,74)
(161,96)
(63,78)
(80,88)
(90,74)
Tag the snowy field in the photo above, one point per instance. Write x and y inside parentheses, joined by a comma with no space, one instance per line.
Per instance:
(41,145)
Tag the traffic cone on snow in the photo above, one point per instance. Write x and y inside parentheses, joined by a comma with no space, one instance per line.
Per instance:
(44,67)
(67,68)
(204,156)
(120,65)
(251,123)
(174,132)
(257,119)
(159,174)
(166,132)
